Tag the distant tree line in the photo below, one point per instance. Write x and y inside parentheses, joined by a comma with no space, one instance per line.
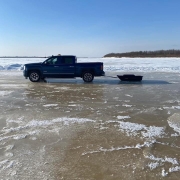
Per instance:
(158,53)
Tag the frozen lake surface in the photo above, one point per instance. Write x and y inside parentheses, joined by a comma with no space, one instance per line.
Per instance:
(108,129)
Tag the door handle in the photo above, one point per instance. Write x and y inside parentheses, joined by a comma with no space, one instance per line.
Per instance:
(56,66)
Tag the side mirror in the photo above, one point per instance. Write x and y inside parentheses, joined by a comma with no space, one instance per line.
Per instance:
(46,63)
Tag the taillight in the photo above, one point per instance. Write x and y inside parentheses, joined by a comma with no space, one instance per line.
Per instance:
(101,67)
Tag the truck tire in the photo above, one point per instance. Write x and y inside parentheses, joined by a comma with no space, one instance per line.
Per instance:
(34,76)
(88,76)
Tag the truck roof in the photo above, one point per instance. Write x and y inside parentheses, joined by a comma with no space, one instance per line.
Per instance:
(62,56)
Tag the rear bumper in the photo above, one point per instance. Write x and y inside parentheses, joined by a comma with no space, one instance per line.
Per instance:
(102,73)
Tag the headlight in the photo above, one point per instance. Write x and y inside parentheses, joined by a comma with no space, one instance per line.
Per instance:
(24,68)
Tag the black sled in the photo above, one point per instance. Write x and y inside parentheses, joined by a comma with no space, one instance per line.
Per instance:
(129,77)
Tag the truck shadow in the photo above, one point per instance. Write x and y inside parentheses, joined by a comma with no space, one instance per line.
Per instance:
(143,82)
(146,82)
(112,81)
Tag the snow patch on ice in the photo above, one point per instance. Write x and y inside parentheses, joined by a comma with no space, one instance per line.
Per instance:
(33,138)
(132,129)
(50,105)
(101,149)
(153,165)
(174,122)
(135,129)
(9,154)
(174,169)
(10,165)
(161,161)
(174,135)
(13,85)
(44,123)
(128,95)
(16,137)
(176,107)
(173,161)
(9,147)
(62,88)
(6,164)
(127,105)
(137,146)
(20,136)
(153,131)
(164,173)
(5,93)
(2,163)
(123,117)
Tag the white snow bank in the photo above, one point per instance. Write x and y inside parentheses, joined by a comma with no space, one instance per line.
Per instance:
(110,64)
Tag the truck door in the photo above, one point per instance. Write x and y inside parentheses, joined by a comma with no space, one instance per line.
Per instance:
(68,66)
(59,67)
(52,67)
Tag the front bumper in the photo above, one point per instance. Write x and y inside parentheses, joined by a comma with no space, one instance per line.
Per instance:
(25,74)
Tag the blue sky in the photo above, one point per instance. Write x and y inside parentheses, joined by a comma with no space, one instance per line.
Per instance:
(87,28)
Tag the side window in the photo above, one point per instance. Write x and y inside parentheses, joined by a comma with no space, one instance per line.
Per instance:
(57,61)
(67,60)
(52,61)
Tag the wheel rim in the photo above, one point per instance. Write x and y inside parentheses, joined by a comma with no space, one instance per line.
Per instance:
(34,76)
(87,76)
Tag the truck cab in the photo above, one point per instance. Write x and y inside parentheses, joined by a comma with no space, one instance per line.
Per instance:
(59,67)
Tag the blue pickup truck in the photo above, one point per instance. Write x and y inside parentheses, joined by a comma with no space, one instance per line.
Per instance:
(63,67)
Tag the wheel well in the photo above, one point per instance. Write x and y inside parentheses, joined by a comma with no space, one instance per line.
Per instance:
(34,70)
(87,70)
